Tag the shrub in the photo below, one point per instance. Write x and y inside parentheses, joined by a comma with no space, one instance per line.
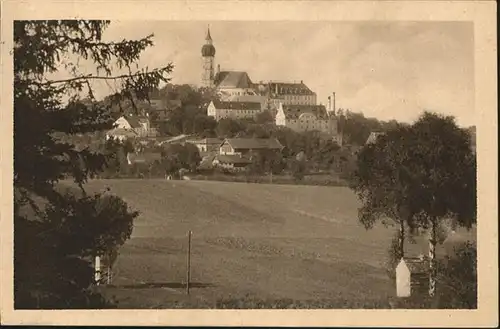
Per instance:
(457,278)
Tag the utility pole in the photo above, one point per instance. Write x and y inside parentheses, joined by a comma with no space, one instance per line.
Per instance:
(188,273)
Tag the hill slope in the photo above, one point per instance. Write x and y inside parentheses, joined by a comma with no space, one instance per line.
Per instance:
(269,241)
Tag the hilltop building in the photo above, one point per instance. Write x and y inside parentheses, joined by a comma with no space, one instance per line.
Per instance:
(302,118)
(293,104)
(235,110)
(227,83)
(233,83)
(237,85)
(290,93)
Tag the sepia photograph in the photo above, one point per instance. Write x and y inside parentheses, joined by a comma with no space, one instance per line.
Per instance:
(256,164)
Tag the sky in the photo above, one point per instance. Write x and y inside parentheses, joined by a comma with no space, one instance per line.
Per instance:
(387,70)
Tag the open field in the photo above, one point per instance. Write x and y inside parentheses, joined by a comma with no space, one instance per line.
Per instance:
(268,241)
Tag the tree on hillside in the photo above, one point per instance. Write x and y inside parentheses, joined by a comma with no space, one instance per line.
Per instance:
(177,156)
(228,128)
(204,126)
(298,166)
(380,181)
(115,153)
(443,180)
(419,174)
(64,231)
(266,162)
(264,117)
(356,127)
(326,155)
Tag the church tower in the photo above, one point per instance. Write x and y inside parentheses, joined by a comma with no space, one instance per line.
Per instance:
(208,54)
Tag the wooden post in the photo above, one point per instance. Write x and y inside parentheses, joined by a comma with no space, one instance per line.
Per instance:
(188,273)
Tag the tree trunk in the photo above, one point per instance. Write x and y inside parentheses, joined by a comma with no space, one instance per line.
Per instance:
(97,269)
(401,238)
(432,256)
(108,281)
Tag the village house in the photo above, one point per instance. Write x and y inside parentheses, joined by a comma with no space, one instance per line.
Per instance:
(126,127)
(373,137)
(234,110)
(236,153)
(231,161)
(121,134)
(244,146)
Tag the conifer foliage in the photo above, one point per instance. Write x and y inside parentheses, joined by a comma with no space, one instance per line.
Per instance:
(57,233)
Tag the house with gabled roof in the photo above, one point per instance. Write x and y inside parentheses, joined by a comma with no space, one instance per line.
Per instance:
(244,146)
(130,126)
(235,110)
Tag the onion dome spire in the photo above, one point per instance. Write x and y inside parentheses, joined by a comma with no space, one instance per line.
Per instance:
(209,37)
(208,50)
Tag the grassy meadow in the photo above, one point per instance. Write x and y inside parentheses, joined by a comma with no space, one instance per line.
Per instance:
(302,243)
